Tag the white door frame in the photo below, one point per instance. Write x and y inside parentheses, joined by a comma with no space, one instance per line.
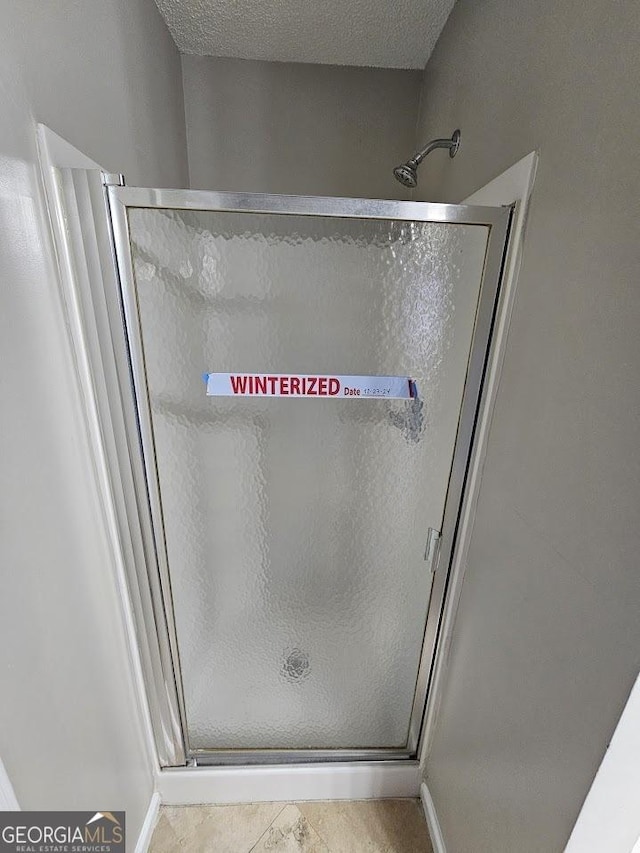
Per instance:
(8,799)
(610,818)
(58,157)
(511,187)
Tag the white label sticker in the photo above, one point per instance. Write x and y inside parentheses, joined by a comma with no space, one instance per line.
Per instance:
(297,385)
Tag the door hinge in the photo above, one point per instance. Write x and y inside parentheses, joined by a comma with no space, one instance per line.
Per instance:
(432,550)
(112,179)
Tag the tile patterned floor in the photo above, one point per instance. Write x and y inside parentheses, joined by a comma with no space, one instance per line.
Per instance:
(345,826)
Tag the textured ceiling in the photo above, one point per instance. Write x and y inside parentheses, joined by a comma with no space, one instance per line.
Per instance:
(381,33)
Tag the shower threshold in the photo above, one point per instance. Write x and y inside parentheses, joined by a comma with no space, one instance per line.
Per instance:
(246,757)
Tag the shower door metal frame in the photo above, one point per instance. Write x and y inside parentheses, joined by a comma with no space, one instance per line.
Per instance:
(161,618)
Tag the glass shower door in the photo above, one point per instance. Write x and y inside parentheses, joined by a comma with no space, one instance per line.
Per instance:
(294,530)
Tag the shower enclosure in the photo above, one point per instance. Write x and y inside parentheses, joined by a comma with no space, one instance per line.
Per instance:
(296,548)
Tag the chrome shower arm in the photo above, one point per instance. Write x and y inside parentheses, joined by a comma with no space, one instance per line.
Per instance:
(452,144)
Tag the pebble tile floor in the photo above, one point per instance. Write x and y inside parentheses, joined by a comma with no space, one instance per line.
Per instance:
(345,826)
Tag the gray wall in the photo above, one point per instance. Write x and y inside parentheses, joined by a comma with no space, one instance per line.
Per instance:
(294,128)
(106,76)
(547,642)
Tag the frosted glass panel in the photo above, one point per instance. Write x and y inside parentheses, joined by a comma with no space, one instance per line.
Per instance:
(296,528)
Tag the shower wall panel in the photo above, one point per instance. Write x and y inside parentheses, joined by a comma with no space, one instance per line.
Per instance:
(286,127)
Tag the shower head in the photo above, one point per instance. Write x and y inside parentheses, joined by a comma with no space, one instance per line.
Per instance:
(407,173)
